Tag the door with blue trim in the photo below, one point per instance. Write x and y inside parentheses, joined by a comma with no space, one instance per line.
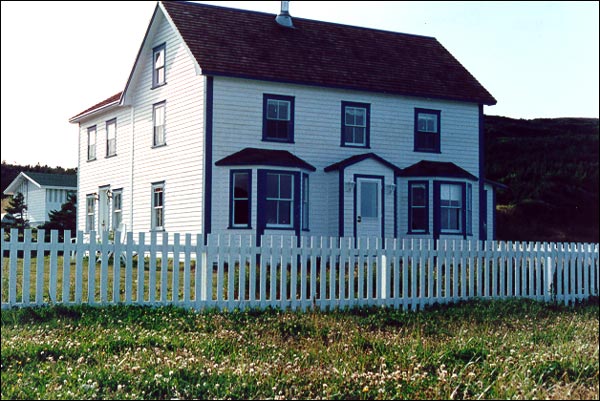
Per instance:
(368,218)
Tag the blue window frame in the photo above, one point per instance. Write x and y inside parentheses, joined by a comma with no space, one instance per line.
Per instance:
(418,207)
(111,137)
(305,202)
(427,130)
(158,124)
(452,209)
(278,118)
(159,54)
(91,143)
(469,209)
(356,124)
(158,206)
(90,212)
(240,200)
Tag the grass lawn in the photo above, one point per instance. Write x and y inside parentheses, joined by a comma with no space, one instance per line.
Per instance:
(512,349)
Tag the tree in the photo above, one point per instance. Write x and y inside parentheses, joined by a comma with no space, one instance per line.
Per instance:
(65,218)
(17,208)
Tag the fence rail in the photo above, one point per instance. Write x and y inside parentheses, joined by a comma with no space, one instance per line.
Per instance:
(229,272)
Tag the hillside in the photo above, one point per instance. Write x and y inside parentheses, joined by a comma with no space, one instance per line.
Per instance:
(551,169)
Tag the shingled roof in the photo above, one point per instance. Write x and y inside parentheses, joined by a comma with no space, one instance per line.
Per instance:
(113,99)
(250,44)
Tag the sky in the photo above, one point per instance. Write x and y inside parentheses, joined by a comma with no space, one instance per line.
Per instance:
(538,59)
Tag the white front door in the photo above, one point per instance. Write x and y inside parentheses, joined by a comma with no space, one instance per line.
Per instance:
(103,210)
(368,207)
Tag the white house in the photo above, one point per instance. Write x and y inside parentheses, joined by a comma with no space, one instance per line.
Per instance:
(234,121)
(42,193)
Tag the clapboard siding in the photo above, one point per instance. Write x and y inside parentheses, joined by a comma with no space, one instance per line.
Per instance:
(238,118)
(179,164)
(138,164)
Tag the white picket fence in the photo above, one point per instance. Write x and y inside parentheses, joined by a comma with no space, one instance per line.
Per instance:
(229,272)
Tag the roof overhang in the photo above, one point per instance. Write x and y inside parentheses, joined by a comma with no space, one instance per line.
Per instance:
(426,168)
(342,164)
(265,157)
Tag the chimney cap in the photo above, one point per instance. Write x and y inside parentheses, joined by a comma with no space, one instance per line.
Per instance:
(284,18)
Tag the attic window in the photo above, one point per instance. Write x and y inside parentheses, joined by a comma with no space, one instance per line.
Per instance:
(158,68)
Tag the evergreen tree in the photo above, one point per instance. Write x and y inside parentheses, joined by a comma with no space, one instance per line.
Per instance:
(65,218)
(17,208)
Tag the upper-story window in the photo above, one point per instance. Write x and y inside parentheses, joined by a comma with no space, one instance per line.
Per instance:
(427,130)
(158,137)
(158,66)
(278,118)
(91,141)
(111,137)
(355,124)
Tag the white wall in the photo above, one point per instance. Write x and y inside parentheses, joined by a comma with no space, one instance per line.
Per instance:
(238,121)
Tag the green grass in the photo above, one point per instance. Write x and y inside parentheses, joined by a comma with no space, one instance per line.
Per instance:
(476,350)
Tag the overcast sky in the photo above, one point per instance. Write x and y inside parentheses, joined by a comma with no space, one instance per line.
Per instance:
(538,59)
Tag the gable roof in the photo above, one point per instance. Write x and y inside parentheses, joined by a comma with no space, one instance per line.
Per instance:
(358,158)
(264,157)
(249,44)
(426,168)
(66,181)
(114,99)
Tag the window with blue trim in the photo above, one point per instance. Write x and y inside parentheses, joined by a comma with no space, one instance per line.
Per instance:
(111,137)
(451,208)
(280,200)
(427,130)
(158,206)
(159,66)
(241,184)
(117,205)
(355,124)
(91,143)
(469,209)
(278,118)
(90,212)
(158,122)
(305,202)
(418,207)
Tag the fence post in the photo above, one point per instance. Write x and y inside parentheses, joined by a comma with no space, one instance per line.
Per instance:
(382,275)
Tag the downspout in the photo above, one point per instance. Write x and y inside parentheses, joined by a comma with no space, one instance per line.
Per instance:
(77,219)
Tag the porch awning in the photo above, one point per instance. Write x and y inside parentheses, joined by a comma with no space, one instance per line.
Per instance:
(426,168)
(358,158)
(264,157)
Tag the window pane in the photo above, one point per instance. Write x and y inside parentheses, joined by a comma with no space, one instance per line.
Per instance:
(272,186)
(418,195)
(240,189)
(348,134)
(240,216)
(285,189)
(368,204)
(271,212)
(159,58)
(159,115)
(359,135)
(419,219)
(159,217)
(285,212)
(360,117)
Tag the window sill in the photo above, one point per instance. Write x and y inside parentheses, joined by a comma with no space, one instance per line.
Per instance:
(239,228)
(91,160)
(158,86)
(350,145)
(279,228)
(110,156)
(427,151)
(162,145)
(417,233)
(278,140)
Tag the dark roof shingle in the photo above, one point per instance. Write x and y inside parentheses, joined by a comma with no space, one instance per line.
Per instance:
(53,180)
(105,102)
(250,44)
(264,157)
(426,168)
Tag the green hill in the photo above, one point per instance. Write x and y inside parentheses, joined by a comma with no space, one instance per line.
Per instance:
(551,169)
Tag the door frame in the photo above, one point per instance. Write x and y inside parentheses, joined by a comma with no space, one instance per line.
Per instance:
(381,180)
